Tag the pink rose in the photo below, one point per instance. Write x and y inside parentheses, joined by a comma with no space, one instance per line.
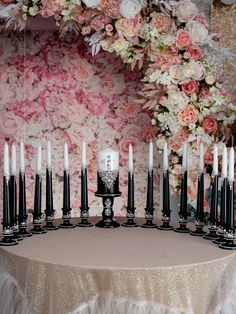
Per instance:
(208,157)
(187,115)
(173,49)
(176,74)
(183,39)
(97,22)
(109,28)
(174,144)
(162,22)
(194,53)
(209,124)
(191,87)
(86,30)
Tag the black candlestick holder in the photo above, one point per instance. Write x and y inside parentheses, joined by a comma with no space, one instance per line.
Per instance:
(149,210)
(130,203)
(84,208)
(49,211)
(37,215)
(166,204)
(22,217)
(199,229)
(229,241)
(221,236)
(212,232)
(108,189)
(66,209)
(7,232)
(183,205)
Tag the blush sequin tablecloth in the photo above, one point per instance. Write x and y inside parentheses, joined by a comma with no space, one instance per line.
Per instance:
(126,270)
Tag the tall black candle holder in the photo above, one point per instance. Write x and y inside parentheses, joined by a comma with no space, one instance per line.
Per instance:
(130,203)
(149,210)
(66,209)
(13,207)
(7,232)
(37,215)
(230,234)
(108,189)
(84,208)
(199,223)
(49,211)
(223,208)
(183,205)
(22,217)
(213,213)
(166,204)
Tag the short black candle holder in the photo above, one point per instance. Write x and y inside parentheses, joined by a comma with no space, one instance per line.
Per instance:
(107,220)
(229,241)
(84,216)
(182,226)
(165,224)
(23,232)
(7,237)
(66,217)
(212,233)
(221,236)
(16,235)
(130,218)
(49,219)
(149,219)
(199,229)
(37,226)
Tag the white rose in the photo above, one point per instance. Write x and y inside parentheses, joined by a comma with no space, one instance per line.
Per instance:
(91,3)
(176,74)
(198,32)
(185,10)
(130,8)
(210,79)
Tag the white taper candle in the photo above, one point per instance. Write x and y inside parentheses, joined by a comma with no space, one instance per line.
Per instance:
(215,160)
(185,157)
(224,162)
(84,160)
(39,159)
(150,157)
(165,158)
(22,157)
(131,162)
(13,160)
(6,161)
(231,164)
(49,156)
(66,158)
(201,158)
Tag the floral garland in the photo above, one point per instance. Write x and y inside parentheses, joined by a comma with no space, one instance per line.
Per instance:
(167,41)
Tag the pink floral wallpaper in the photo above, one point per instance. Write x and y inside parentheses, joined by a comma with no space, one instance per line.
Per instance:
(53,89)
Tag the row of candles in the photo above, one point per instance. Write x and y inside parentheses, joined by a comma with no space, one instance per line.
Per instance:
(108,162)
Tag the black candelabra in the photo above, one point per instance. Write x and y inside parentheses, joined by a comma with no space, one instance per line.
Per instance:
(84,208)
(149,210)
(49,211)
(66,209)
(183,214)
(130,203)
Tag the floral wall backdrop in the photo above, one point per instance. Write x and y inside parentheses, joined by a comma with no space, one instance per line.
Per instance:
(52,89)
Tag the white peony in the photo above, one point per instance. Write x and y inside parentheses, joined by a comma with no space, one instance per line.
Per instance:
(185,10)
(198,32)
(194,70)
(130,8)
(91,3)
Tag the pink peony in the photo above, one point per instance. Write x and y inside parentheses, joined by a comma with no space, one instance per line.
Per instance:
(162,22)
(209,124)
(187,115)
(191,87)
(194,53)
(183,39)
(128,28)
(98,22)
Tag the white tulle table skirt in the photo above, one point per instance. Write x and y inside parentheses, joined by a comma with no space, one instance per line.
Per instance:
(89,271)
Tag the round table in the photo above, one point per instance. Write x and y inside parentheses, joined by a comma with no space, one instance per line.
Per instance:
(123,270)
